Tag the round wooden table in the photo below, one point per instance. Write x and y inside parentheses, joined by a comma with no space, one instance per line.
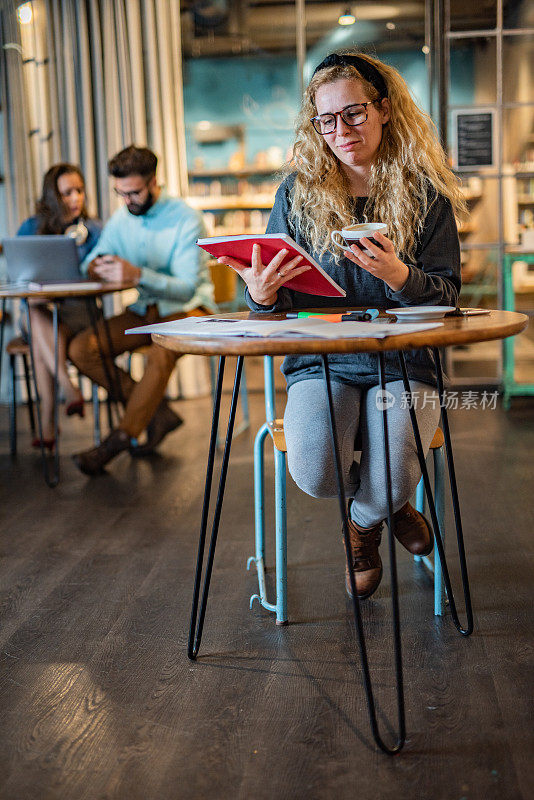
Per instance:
(82,290)
(453,331)
(88,292)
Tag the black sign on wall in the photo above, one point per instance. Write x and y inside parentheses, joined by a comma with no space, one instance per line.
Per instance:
(474,139)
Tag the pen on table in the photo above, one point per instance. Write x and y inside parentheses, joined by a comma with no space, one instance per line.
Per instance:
(349,316)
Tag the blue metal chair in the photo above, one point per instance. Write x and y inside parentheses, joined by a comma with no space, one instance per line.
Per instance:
(434,564)
(275,429)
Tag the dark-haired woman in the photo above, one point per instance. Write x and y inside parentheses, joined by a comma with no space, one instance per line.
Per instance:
(60,210)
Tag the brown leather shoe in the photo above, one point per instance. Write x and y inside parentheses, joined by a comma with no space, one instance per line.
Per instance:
(163,422)
(366,561)
(93,461)
(413,531)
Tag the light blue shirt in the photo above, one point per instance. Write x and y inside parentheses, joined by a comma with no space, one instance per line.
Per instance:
(174,270)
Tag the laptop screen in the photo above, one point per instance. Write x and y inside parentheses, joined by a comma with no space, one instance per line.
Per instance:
(41,258)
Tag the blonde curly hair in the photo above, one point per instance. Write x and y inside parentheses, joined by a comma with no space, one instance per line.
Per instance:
(409,159)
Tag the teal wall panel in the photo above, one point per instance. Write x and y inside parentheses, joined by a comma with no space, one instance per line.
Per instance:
(262,94)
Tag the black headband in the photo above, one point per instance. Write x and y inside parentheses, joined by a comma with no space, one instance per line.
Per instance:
(365,68)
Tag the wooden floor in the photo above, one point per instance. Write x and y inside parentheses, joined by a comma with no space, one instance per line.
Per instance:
(99,700)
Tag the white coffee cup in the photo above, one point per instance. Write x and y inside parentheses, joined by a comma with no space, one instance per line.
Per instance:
(353,233)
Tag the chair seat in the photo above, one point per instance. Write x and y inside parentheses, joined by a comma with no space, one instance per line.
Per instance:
(276,429)
(438,439)
(18,347)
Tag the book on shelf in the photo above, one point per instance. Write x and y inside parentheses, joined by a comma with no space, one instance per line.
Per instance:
(313,281)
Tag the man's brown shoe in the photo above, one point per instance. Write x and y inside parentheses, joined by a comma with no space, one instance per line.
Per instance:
(366,561)
(413,531)
(93,461)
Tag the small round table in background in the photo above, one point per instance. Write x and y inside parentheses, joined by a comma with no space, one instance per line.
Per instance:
(91,294)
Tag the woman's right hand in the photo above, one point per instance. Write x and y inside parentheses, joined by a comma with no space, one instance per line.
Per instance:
(264,280)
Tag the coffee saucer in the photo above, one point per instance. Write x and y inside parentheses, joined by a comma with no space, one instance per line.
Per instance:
(419,313)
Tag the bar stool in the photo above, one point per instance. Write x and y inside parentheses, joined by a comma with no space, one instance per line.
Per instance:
(19,348)
(275,429)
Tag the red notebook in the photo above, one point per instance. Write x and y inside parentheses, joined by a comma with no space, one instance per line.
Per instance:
(314,281)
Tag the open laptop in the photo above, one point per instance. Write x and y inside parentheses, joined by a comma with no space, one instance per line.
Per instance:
(41,259)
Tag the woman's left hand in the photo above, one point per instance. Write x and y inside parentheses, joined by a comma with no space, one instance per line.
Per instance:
(384,265)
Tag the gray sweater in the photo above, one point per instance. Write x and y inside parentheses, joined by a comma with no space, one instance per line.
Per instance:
(434,279)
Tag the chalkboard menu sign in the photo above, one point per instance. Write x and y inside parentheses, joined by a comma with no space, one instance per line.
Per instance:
(474,139)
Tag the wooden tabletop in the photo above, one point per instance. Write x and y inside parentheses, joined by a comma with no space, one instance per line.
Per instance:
(81,291)
(455,330)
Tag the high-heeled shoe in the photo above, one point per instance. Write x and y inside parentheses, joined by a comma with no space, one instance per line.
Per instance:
(76,407)
(48,444)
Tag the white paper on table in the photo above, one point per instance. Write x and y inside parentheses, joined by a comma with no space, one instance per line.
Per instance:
(297,328)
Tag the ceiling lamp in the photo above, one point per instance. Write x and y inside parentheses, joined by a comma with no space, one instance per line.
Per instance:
(346,18)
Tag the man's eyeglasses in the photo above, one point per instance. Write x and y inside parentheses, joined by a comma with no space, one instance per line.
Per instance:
(351,115)
(131,195)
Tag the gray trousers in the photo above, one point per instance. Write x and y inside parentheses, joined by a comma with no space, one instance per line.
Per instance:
(309,448)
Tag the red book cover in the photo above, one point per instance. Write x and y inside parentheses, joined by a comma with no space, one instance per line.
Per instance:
(314,281)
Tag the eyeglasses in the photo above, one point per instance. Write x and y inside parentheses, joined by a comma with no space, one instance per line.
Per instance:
(351,115)
(131,195)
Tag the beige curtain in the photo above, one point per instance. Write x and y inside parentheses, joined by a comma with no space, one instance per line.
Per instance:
(84,79)
(17,154)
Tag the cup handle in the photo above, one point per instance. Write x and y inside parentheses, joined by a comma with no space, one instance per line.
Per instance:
(333,237)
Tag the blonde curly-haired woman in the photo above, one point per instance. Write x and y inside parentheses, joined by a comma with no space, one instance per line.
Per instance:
(363,152)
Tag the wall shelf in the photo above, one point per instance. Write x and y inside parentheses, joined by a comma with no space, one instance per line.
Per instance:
(224,172)
(231,202)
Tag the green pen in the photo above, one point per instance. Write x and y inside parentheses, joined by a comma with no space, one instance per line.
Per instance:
(304,315)
(365,316)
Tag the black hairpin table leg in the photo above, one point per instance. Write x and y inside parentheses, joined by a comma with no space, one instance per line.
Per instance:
(454,492)
(401,738)
(52,479)
(195,629)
